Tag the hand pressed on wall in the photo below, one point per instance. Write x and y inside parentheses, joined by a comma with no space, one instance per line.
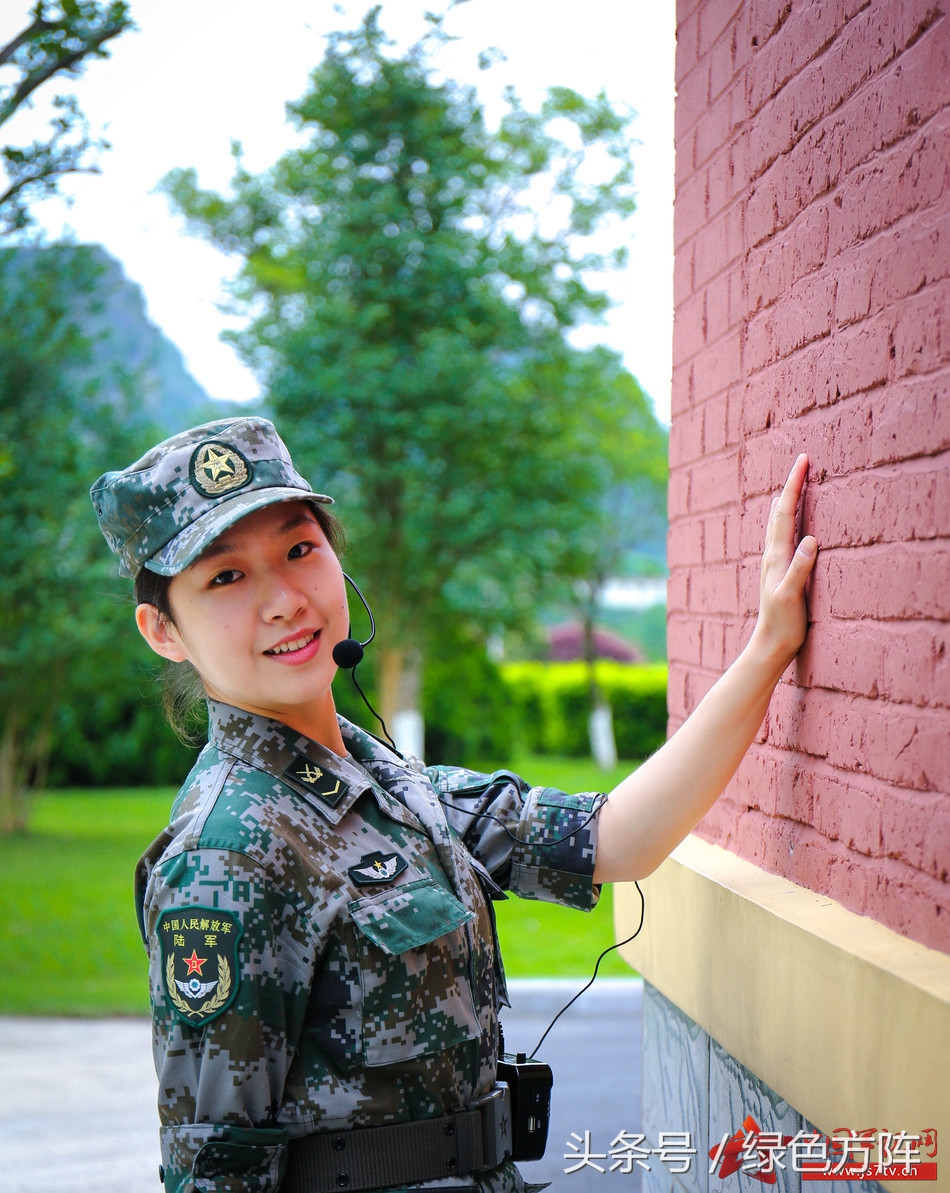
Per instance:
(654,808)
(783,618)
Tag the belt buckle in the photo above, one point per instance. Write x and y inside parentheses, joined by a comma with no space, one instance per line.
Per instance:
(497,1133)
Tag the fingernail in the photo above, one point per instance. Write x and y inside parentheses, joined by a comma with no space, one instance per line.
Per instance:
(808,547)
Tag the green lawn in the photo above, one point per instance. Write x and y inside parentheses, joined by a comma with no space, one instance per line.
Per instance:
(70,945)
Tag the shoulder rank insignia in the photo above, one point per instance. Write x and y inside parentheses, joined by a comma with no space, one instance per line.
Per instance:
(199,961)
(330,788)
(377,867)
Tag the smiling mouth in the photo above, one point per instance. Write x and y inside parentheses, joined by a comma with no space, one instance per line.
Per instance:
(288,647)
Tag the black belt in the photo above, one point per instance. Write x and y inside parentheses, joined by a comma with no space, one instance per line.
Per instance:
(400,1154)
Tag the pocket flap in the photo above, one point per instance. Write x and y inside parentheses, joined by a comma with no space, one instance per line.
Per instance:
(407,918)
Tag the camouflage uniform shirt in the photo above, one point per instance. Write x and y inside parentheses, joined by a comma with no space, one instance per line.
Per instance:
(322,944)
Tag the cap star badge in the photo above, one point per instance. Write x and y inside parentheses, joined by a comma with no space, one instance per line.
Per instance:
(377,867)
(217,468)
(199,961)
(329,787)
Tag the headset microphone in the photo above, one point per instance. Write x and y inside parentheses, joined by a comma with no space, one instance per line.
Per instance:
(349,652)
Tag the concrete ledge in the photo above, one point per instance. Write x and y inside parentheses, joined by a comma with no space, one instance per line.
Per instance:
(844,1018)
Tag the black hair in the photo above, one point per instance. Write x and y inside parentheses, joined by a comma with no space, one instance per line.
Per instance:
(183,693)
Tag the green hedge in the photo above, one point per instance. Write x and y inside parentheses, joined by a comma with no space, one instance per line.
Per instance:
(550,705)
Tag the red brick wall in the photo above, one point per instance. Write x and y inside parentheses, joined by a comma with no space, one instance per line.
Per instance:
(812,291)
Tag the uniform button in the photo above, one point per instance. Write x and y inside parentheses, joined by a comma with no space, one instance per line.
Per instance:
(161,1173)
(451,1164)
(338,1144)
(450,1129)
(342,1180)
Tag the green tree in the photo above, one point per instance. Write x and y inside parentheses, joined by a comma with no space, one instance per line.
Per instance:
(60,37)
(410,299)
(60,602)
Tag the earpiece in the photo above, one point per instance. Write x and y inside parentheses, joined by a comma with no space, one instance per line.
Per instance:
(349,652)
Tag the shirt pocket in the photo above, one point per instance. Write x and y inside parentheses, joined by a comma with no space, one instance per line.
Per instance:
(414,972)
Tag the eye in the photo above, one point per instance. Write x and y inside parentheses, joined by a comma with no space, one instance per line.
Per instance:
(299,550)
(222,579)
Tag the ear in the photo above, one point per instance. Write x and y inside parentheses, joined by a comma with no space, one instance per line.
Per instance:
(159,633)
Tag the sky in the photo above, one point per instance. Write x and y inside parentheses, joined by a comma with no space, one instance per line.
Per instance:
(200,73)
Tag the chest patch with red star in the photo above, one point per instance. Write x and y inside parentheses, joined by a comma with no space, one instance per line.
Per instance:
(199,961)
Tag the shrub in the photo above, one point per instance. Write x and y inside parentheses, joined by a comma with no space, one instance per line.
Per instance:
(550,704)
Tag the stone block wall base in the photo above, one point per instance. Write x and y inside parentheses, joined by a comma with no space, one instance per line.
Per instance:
(691,1083)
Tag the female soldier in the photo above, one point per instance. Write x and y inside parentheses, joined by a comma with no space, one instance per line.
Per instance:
(324,973)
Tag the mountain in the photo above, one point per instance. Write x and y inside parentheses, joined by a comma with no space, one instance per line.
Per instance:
(128,362)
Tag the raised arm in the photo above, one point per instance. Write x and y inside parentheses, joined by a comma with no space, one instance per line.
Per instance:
(654,808)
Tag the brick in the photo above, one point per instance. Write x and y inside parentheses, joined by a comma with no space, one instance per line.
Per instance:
(692,98)
(846,656)
(713,589)
(686,437)
(921,336)
(887,504)
(685,640)
(910,419)
(717,245)
(906,822)
(766,19)
(911,903)
(677,590)
(713,646)
(678,498)
(726,174)
(714,538)
(715,425)
(941,656)
(685,155)
(691,212)
(911,176)
(676,696)
(762,216)
(910,260)
(685,542)
(910,662)
(682,275)
(689,326)
(714,482)
(853,291)
(687,43)
(722,69)
(718,366)
(862,582)
(860,357)
(807,311)
(848,812)
(715,18)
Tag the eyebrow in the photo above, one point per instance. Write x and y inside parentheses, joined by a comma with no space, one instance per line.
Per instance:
(222,545)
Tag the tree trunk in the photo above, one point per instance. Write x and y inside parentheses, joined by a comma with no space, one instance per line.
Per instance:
(24,766)
(401,699)
(600,721)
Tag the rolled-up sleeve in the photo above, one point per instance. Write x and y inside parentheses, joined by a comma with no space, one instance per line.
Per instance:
(539,842)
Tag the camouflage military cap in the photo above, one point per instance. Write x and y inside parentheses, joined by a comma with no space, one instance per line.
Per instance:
(164,510)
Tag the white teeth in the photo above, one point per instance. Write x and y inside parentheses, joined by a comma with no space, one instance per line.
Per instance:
(298,644)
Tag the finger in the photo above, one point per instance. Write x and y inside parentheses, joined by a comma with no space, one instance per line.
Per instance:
(802,562)
(792,490)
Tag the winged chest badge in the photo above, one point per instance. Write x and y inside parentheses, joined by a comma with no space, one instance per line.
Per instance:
(377,867)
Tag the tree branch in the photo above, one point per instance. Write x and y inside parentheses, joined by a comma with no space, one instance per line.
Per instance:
(64,63)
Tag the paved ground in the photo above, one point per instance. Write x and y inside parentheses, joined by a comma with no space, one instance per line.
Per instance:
(77,1098)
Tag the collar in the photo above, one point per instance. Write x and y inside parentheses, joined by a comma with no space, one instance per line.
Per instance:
(331,784)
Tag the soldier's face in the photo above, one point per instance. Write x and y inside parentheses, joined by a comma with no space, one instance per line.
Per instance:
(258,614)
